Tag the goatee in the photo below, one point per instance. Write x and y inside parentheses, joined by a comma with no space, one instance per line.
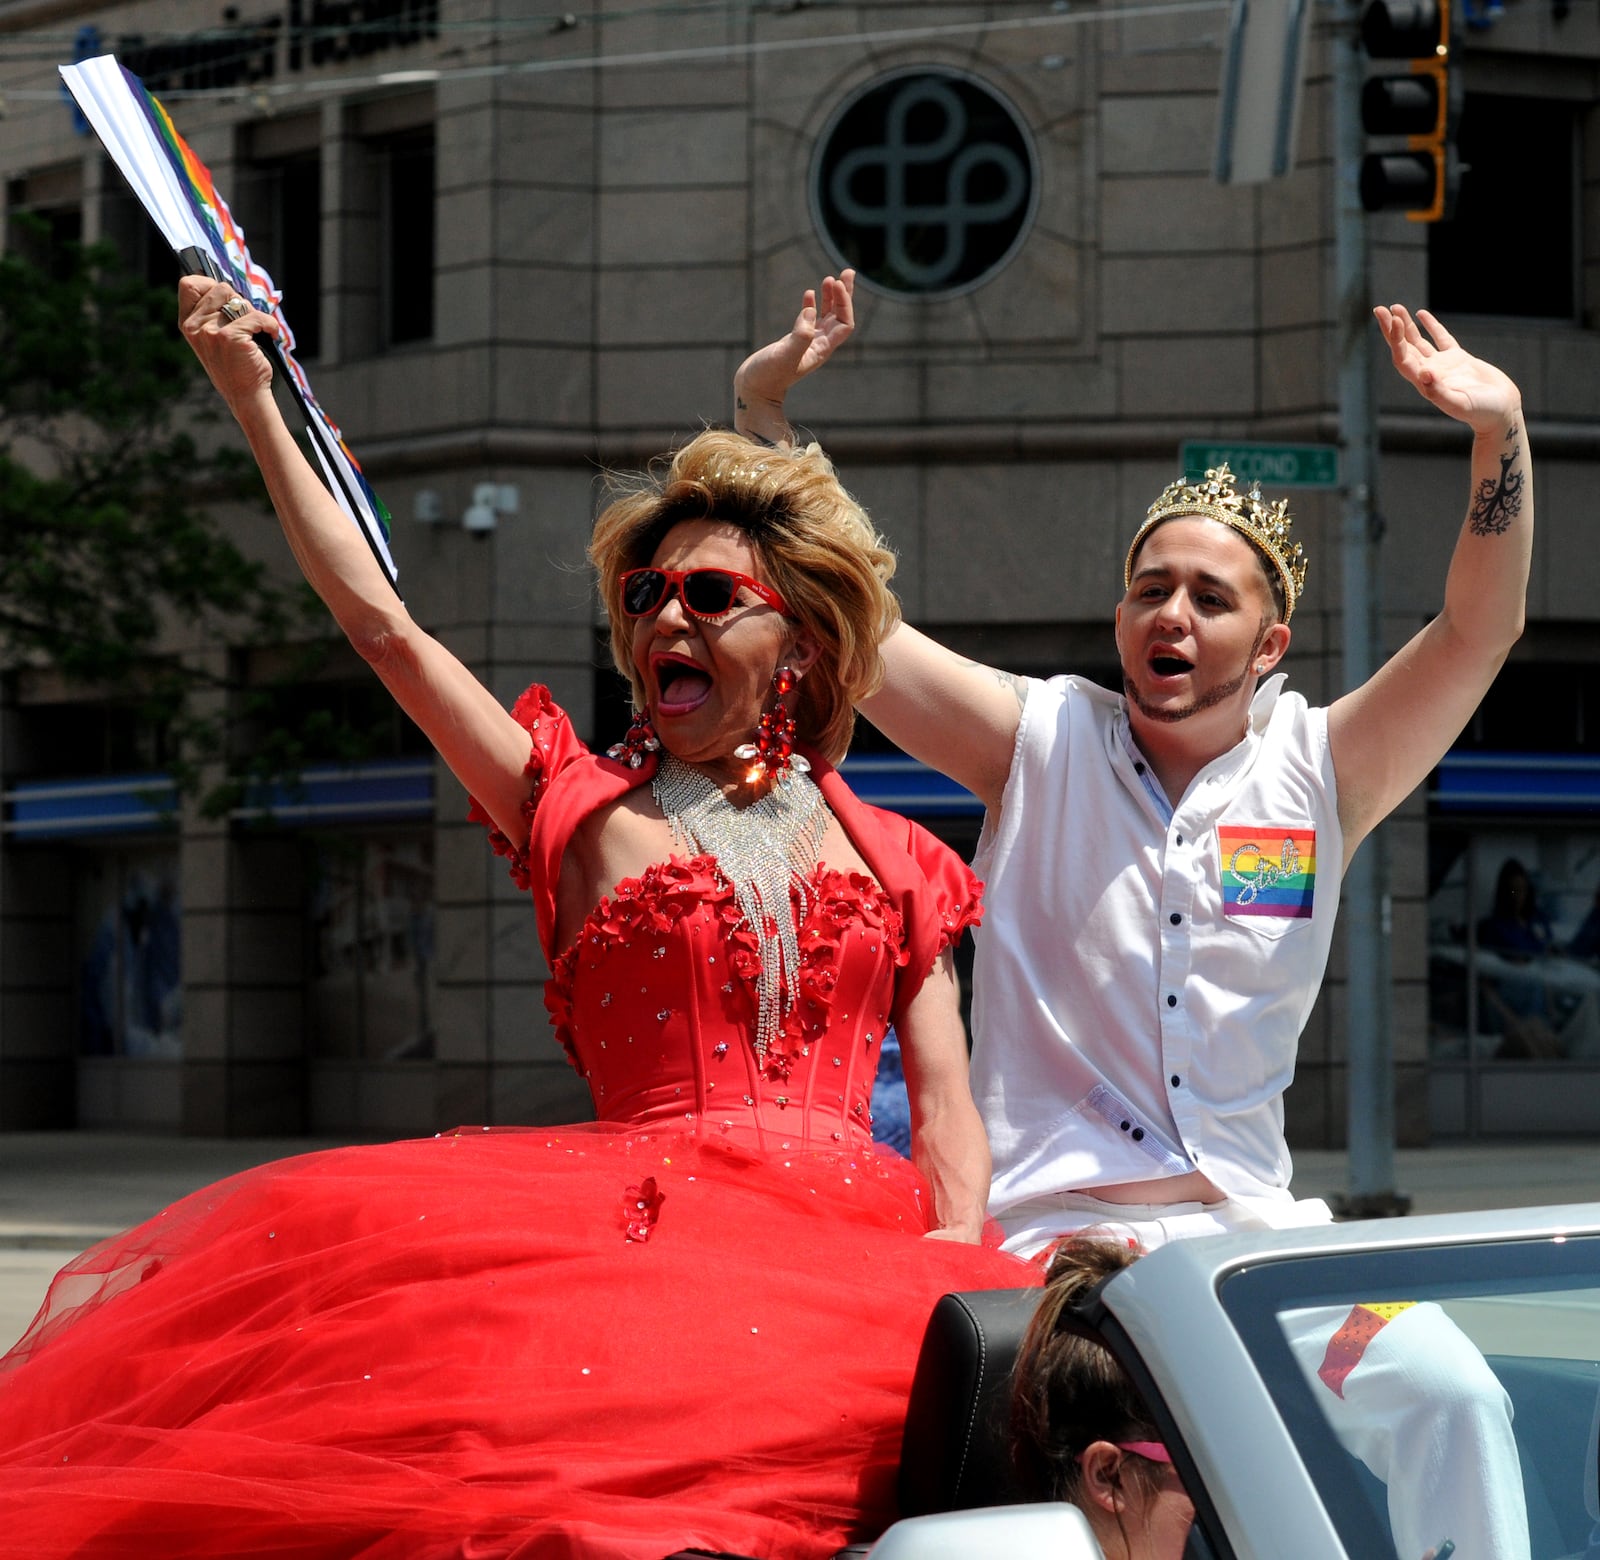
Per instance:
(1212,697)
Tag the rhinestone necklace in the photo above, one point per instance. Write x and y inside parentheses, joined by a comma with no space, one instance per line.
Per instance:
(764,851)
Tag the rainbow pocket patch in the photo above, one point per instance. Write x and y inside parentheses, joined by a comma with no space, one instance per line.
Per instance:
(1268,870)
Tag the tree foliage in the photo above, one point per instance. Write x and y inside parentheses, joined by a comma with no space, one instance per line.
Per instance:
(103,487)
(106,543)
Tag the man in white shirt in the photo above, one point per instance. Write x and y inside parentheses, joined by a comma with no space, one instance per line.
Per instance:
(1162,873)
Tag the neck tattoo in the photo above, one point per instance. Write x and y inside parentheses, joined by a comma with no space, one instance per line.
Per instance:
(764,851)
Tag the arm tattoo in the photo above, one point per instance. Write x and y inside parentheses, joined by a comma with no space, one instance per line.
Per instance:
(1498,500)
(1017,685)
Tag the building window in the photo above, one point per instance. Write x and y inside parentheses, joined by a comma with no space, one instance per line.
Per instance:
(130,986)
(44,214)
(126,226)
(387,240)
(925,181)
(1538,707)
(279,203)
(1503,252)
(373,978)
(50,741)
(407,226)
(285,724)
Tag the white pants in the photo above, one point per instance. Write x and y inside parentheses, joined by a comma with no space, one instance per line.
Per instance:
(1408,1393)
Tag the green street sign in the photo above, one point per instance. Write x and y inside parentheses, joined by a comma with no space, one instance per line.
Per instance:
(1272,465)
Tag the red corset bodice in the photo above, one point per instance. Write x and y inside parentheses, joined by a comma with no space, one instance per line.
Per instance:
(656,1001)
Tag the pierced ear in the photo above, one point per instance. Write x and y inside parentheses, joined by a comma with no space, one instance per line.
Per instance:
(802,653)
(1274,646)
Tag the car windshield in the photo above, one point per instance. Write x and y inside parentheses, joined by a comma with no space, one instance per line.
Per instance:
(1530,1307)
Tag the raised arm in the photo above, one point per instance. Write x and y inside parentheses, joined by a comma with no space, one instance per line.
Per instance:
(951,713)
(1387,735)
(763,381)
(957,716)
(947,1141)
(484,747)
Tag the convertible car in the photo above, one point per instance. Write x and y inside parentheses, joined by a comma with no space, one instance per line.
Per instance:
(1200,1326)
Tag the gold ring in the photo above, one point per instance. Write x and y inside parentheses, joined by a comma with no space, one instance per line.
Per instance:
(235,308)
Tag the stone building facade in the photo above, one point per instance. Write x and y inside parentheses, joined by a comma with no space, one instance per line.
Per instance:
(520,250)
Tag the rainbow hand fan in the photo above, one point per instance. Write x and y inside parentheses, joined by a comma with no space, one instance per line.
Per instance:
(177,190)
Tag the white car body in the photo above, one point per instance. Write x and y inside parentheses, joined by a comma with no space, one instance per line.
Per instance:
(1196,1324)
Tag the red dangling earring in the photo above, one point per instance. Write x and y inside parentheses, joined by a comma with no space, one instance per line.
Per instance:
(641,739)
(773,751)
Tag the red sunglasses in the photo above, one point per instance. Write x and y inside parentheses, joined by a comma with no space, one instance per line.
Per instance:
(706,593)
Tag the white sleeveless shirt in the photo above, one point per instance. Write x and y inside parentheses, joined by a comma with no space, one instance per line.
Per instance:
(1144,971)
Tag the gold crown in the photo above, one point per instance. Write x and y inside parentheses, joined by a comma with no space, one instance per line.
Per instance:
(1265,525)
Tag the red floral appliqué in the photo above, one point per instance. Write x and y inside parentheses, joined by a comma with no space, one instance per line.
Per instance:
(641,1207)
(783,1051)
(643,913)
(653,902)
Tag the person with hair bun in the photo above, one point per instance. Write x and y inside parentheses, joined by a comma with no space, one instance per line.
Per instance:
(690,1324)
(1080,1432)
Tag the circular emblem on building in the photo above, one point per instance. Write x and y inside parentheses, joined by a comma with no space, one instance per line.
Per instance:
(925,180)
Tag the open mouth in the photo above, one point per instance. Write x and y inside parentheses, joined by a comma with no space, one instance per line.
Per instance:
(682,686)
(1169,665)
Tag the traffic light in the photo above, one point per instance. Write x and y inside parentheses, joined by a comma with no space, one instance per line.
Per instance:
(1423,105)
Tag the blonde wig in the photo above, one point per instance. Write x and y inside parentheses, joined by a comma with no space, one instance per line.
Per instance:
(817,548)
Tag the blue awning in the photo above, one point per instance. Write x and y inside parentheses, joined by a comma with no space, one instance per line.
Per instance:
(348,793)
(402,789)
(1517,782)
(383,790)
(108,804)
(905,786)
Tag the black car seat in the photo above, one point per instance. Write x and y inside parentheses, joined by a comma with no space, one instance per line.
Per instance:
(956,1450)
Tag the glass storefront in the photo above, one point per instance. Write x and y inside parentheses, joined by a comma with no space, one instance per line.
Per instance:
(129,938)
(373,974)
(1514,944)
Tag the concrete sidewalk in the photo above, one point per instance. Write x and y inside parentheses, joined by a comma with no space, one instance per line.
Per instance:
(1456,1177)
(62,1191)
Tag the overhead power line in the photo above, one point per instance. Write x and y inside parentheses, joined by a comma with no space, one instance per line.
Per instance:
(267,93)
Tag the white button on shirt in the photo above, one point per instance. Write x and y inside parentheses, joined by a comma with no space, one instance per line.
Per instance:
(1144,969)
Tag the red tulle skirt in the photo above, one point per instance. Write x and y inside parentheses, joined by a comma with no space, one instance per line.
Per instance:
(582,1341)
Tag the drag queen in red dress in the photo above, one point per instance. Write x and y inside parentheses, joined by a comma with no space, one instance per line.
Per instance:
(690,1324)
